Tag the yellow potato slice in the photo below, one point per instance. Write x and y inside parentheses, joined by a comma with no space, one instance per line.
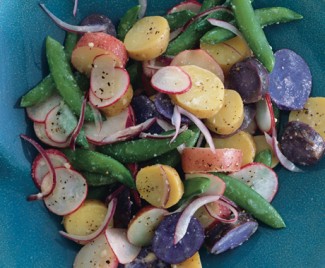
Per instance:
(159,185)
(261,145)
(86,219)
(205,97)
(228,52)
(312,114)
(231,115)
(242,141)
(193,262)
(148,38)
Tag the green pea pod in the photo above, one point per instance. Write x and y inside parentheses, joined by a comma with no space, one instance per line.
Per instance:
(194,187)
(91,161)
(39,93)
(133,70)
(96,179)
(264,157)
(253,32)
(207,4)
(69,44)
(127,21)
(265,17)
(143,149)
(251,201)
(98,192)
(82,81)
(179,19)
(63,78)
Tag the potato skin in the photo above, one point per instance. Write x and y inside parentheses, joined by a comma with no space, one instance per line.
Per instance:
(301,144)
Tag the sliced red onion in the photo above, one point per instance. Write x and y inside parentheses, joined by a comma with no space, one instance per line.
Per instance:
(50,166)
(143,8)
(159,136)
(231,208)
(272,141)
(87,238)
(73,28)
(164,124)
(75,7)
(78,128)
(176,121)
(225,25)
(200,140)
(175,33)
(205,131)
(189,211)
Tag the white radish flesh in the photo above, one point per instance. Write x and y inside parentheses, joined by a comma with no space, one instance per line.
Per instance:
(171,80)
(123,249)
(40,132)
(69,193)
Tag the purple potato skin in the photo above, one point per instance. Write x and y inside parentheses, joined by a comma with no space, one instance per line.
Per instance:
(163,240)
(290,81)
(301,144)
(250,79)
(123,212)
(225,236)
(98,19)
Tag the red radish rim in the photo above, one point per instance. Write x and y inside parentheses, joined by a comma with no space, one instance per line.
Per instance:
(231,208)
(225,25)
(87,238)
(185,218)
(40,149)
(73,28)
(40,132)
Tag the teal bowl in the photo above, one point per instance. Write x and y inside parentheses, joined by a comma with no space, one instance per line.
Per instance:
(29,233)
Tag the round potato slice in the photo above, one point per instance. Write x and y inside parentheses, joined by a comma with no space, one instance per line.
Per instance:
(242,141)
(86,219)
(206,95)
(148,38)
(231,115)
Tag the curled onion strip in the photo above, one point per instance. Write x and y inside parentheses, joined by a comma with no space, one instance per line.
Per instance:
(225,25)
(216,216)
(75,7)
(176,121)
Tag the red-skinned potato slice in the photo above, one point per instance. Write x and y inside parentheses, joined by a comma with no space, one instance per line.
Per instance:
(198,57)
(195,160)
(91,45)
(171,80)
(97,253)
(142,227)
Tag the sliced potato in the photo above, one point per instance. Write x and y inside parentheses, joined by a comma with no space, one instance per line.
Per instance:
(86,219)
(148,38)
(193,262)
(261,145)
(228,52)
(312,114)
(206,95)
(241,140)
(231,115)
(176,186)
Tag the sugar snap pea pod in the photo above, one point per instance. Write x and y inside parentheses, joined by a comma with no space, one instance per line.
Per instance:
(70,43)
(143,149)
(179,19)
(39,93)
(91,161)
(82,81)
(98,192)
(63,78)
(264,157)
(253,32)
(207,4)
(251,201)
(127,21)
(133,70)
(97,179)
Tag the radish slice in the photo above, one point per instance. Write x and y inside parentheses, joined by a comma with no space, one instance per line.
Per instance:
(97,253)
(191,5)
(216,215)
(40,132)
(109,127)
(81,239)
(40,167)
(73,28)
(260,178)
(51,175)
(150,67)
(69,192)
(265,115)
(217,185)
(205,131)
(127,133)
(123,249)
(187,214)
(272,141)
(225,25)
(38,112)
(171,80)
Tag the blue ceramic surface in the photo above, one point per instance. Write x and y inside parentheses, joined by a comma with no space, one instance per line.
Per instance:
(29,233)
